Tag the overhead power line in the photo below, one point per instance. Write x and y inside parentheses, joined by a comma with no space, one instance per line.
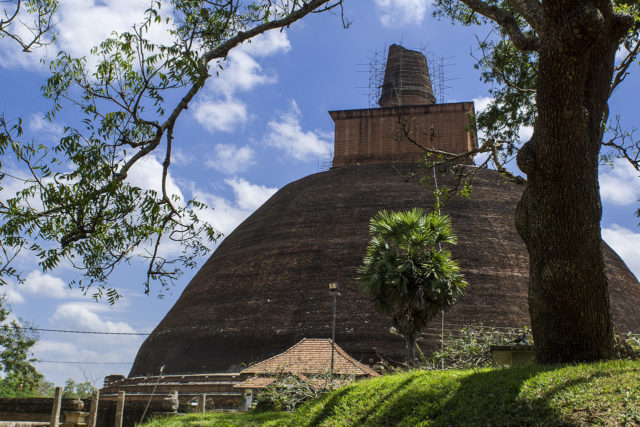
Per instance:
(82,332)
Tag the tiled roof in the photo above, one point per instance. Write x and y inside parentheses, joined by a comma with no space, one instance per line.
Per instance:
(255,382)
(311,356)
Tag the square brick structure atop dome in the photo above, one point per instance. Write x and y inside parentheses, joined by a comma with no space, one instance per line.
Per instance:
(382,135)
(408,120)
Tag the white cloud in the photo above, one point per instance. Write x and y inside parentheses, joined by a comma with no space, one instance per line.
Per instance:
(482,103)
(12,183)
(83,316)
(221,115)
(108,350)
(86,316)
(43,127)
(225,214)
(626,243)
(267,44)
(46,286)
(241,72)
(286,134)
(147,174)
(525,133)
(249,196)
(620,185)
(56,347)
(401,12)
(11,54)
(12,296)
(181,158)
(230,159)
(218,108)
(82,24)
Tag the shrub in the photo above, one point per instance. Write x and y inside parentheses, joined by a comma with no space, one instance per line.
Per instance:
(290,391)
(470,346)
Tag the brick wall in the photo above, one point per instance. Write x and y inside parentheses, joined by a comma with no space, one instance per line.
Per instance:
(371,136)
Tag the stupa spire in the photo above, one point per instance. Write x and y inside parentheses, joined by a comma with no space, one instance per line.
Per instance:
(406,79)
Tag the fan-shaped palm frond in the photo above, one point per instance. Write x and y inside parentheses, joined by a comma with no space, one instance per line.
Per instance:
(406,271)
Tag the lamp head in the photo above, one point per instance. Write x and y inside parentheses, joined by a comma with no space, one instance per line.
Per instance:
(333,289)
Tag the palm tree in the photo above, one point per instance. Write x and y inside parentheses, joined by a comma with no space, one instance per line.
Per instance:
(406,271)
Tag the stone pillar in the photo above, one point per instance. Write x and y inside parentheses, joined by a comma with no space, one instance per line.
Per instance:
(202,403)
(248,399)
(93,409)
(120,409)
(55,411)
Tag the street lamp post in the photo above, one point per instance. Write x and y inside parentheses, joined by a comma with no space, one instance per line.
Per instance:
(333,290)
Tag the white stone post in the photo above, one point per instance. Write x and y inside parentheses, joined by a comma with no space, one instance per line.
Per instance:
(55,411)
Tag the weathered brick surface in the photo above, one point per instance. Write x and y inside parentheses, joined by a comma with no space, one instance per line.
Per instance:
(266,286)
(383,135)
(406,79)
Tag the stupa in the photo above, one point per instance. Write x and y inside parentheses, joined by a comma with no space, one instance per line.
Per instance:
(266,286)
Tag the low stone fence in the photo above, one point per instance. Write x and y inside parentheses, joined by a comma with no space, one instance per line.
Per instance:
(48,411)
(119,410)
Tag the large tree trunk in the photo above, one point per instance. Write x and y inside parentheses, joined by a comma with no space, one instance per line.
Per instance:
(559,214)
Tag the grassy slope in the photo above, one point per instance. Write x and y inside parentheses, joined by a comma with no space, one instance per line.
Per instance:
(224,419)
(601,393)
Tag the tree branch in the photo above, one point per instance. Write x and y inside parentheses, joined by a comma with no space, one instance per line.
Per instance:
(621,71)
(531,11)
(507,21)
(44,12)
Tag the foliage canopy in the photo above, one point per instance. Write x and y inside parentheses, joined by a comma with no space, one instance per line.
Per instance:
(20,377)
(407,272)
(76,204)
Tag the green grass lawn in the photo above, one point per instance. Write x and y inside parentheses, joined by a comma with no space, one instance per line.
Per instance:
(600,393)
(225,419)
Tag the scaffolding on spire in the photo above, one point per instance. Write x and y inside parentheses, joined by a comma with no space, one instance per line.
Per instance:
(438,67)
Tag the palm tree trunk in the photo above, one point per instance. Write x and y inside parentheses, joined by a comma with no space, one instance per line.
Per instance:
(410,354)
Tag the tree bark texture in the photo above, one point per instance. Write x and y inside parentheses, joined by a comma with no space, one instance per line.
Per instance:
(559,214)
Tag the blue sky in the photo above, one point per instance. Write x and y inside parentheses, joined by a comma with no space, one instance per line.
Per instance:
(261,125)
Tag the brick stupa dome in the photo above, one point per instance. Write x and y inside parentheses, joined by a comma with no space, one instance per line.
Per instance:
(266,286)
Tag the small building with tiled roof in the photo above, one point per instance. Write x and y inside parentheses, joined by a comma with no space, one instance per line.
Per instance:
(311,356)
